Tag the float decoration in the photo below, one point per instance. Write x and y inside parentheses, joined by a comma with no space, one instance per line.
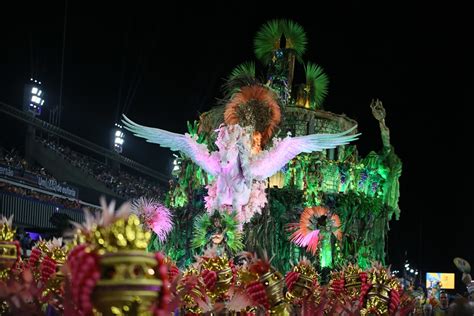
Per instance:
(268,155)
(265,286)
(383,297)
(315,223)
(221,230)
(155,216)
(302,282)
(233,165)
(113,272)
(9,247)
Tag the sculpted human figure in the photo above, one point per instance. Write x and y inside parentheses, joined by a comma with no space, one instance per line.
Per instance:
(233,165)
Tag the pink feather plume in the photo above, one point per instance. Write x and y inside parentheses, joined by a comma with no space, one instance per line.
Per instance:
(155,216)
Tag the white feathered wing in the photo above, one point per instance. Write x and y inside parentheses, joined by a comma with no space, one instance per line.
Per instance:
(198,153)
(274,159)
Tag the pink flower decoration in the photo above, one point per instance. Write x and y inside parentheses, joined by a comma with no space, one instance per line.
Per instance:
(309,240)
(155,216)
(257,201)
(211,197)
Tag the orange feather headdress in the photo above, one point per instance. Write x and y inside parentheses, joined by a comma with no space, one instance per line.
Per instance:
(254,106)
(305,235)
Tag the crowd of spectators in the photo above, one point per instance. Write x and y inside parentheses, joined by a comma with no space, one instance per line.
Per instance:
(121,182)
(14,159)
(62,202)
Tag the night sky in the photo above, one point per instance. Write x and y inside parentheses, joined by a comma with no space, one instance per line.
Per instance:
(415,59)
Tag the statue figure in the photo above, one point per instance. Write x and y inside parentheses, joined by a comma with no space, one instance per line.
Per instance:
(219,231)
(464,266)
(390,166)
(234,166)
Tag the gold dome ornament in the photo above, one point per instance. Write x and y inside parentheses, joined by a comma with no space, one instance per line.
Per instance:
(7,232)
(130,279)
(54,253)
(352,281)
(192,291)
(259,276)
(224,274)
(9,247)
(274,283)
(301,281)
(56,250)
(378,298)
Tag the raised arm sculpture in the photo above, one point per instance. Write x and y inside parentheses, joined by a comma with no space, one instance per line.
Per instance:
(392,166)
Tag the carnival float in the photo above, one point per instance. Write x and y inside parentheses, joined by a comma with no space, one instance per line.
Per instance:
(271,212)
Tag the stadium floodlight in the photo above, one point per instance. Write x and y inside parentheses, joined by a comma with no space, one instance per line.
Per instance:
(176,165)
(119,138)
(34,97)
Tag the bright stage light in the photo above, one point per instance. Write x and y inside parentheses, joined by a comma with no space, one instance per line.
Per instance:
(119,138)
(34,97)
(176,165)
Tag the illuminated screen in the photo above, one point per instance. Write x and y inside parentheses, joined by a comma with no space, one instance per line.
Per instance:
(446,280)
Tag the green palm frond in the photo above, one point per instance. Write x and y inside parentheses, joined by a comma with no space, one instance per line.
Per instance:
(234,236)
(193,130)
(318,81)
(244,70)
(201,225)
(234,241)
(241,76)
(267,40)
(295,37)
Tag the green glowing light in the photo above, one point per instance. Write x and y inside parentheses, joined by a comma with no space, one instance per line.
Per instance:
(325,254)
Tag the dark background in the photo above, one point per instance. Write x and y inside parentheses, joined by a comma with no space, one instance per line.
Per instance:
(415,58)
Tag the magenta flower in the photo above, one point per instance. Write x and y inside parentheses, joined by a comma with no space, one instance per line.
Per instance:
(155,216)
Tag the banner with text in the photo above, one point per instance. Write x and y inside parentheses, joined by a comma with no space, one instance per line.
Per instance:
(38,181)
